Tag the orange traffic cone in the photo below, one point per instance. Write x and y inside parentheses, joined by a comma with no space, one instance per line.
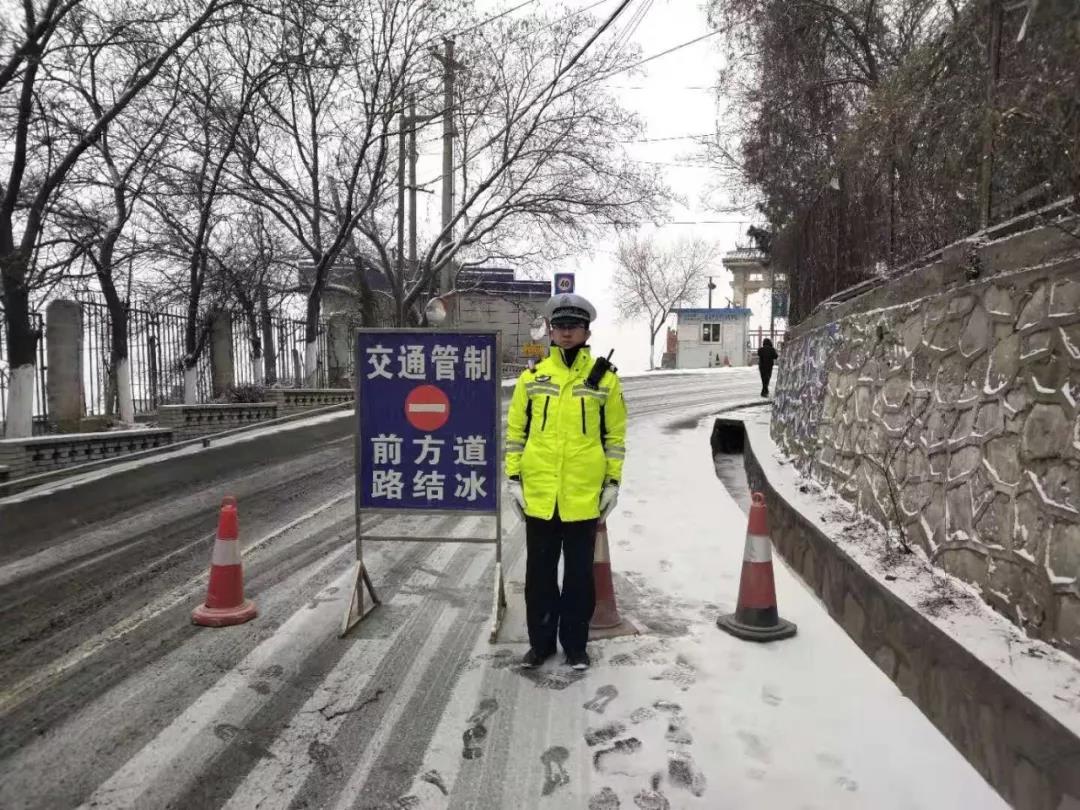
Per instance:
(225,603)
(606,613)
(755,617)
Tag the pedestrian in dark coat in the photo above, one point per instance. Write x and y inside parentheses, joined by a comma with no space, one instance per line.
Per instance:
(766,357)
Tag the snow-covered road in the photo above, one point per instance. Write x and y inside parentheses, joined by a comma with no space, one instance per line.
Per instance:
(109,698)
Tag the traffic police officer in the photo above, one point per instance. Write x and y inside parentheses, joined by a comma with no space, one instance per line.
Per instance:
(565,446)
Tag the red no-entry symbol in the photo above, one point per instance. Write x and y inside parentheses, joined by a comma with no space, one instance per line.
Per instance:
(427,407)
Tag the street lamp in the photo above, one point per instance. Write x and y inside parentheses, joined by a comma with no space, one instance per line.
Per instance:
(712,286)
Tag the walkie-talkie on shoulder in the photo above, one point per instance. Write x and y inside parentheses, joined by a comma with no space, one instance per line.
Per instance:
(601,367)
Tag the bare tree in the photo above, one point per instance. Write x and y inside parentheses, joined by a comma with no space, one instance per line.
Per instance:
(253,263)
(539,156)
(320,162)
(220,89)
(105,187)
(40,154)
(651,281)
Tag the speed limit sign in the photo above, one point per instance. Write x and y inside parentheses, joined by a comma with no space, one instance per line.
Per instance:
(564,283)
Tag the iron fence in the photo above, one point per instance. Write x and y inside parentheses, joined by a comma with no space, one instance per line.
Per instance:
(288,346)
(156,359)
(755,336)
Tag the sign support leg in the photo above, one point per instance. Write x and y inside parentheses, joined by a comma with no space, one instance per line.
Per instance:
(498,601)
(354,609)
(498,604)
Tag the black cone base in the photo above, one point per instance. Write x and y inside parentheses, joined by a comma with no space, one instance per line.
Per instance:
(782,629)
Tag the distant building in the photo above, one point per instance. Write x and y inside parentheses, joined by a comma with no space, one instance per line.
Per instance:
(491,297)
(707,338)
(486,298)
(749,274)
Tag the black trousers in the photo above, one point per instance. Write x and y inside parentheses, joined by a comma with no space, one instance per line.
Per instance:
(548,612)
(766,375)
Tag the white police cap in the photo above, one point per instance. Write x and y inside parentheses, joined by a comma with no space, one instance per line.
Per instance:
(569,307)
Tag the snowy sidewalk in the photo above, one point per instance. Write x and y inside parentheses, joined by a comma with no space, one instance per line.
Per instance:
(688,716)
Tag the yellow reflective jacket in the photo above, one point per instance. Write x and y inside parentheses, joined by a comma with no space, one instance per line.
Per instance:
(563,439)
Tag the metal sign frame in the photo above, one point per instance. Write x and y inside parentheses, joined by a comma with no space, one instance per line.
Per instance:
(355,611)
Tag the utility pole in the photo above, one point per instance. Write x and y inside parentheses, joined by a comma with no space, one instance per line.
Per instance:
(712,287)
(446,282)
(410,123)
(412,182)
(401,211)
(446,58)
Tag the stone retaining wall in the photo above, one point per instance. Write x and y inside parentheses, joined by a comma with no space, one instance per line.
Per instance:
(295,400)
(41,454)
(193,421)
(944,403)
(1030,758)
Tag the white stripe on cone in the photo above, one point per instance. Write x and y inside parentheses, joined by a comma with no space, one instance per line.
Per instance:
(226,552)
(758,549)
(601,554)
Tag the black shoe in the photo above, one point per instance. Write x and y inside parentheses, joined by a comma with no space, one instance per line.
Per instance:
(579,661)
(533,658)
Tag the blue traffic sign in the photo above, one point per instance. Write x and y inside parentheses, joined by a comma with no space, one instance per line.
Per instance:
(427,420)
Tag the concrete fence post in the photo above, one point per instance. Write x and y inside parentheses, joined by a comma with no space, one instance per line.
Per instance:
(64,364)
(221,353)
(338,346)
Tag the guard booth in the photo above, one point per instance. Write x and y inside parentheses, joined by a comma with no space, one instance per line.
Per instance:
(709,338)
(428,430)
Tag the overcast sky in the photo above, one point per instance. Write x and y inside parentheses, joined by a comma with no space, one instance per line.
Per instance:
(670,101)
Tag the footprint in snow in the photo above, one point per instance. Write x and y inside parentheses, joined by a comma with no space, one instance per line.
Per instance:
(606,759)
(754,746)
(850,785)
(555,775)
(604,800)
(684,773)
(677,732)
(599,702)
(652,799)
(473,737)
(603,734)
(433,777)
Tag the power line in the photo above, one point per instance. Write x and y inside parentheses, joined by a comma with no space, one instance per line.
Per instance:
(551,84)
(573,14)
(551,24)
(487,20)
(705,222)
(671,138)
(516,40)
(631,26)
(663,86)
(668,163)
(665,53)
